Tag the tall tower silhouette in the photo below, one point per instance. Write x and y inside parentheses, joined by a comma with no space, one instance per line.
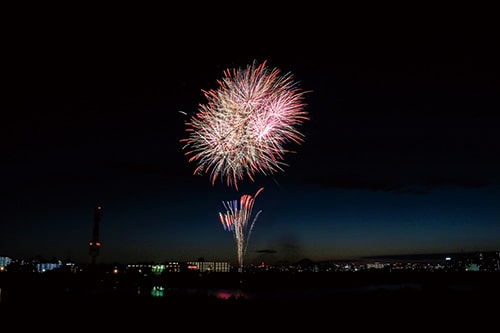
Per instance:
(95,243)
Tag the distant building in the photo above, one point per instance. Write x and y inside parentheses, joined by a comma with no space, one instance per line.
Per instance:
(4,262)
(48,266)
(375,265)
(209,266)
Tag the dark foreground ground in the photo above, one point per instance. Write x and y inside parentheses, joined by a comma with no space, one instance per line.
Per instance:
(264,301)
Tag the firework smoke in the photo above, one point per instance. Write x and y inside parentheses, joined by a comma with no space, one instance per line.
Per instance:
(236,220)
(244,126)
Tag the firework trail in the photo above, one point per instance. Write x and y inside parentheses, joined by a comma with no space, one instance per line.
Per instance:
(236,220)
(245,125)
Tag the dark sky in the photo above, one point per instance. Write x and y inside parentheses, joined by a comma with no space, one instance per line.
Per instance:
(401,152)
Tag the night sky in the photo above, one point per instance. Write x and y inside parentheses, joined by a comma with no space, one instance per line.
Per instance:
(401,153)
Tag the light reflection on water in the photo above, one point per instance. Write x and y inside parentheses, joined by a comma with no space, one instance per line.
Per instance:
(234,294)
(163,292)
(226,294)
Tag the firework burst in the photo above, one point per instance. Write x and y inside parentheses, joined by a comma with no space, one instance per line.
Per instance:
(236,219)
(245,125)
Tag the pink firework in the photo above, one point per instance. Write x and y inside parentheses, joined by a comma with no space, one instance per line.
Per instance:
(236,219)
(245,125)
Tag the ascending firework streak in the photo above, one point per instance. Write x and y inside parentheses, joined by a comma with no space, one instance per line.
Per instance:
(236,220)
(244,127)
